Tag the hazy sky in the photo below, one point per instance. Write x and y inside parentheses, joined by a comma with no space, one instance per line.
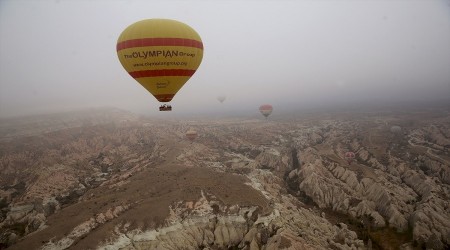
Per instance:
(57,55)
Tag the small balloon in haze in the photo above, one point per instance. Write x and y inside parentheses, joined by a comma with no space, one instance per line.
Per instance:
(396,129)
(160,54)
(221,98)
(266,110)
(191,135)
(349,156)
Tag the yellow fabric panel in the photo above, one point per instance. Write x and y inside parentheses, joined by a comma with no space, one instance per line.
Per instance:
(159,28)
(164,66)
(163,85)
(144,58)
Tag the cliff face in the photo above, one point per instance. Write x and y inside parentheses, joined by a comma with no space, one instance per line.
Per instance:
(207,223)
(400,184)
(120,181)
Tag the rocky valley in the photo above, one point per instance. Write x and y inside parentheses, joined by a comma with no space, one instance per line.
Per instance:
(110,179)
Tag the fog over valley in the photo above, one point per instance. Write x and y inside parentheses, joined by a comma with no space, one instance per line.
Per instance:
(302,124)
(61,55)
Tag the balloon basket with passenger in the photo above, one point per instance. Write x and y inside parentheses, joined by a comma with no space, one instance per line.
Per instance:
(165,107)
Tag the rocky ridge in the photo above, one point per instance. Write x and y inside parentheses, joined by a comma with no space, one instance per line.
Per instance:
(395,194)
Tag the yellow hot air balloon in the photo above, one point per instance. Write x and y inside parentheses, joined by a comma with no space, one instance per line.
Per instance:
(160,54)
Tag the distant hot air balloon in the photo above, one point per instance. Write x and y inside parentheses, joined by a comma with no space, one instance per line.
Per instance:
(396,129)
(266,110)
(160,54)
(349,156)
(221,98)
(191,135)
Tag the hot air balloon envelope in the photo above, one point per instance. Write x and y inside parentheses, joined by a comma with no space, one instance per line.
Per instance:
(221,98)
(349,156)
(266,110)
(160,54)
(396,129)
(191,135)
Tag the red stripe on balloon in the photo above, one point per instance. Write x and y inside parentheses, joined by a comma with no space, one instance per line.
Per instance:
(266,107)
(164,97)
(144,42)
(162,72)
